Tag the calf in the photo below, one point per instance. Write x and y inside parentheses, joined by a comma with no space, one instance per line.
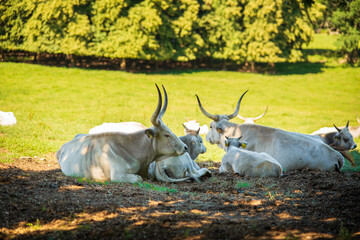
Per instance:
(169,167)
(248,163)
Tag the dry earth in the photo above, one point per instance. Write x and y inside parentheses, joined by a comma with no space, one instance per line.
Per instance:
(38,202)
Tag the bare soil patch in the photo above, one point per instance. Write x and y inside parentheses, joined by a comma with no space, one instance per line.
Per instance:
(38,202)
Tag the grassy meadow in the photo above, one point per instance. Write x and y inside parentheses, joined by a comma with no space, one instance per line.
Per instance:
(53,104)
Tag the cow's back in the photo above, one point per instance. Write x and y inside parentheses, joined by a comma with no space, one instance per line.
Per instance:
(292,150)
(95,156)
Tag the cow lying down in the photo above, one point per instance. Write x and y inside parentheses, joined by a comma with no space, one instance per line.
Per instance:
(167,168)
(120,157)
(247,163)
(341,138)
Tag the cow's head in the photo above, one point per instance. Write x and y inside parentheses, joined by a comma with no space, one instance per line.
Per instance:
(235,142)
(219,127)
(194,142)
(165,142)
(343,138)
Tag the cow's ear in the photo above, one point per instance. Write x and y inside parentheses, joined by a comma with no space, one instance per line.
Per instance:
(244,144)
(151,133)
(226,143)
(219,129)
(337,136)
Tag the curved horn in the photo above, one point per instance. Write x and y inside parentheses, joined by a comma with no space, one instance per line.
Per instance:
(213,117)
(257,118)
(237,107)
(154,118)
(347,124)
(163,109)
(357,117)
(337,128)
(242,118)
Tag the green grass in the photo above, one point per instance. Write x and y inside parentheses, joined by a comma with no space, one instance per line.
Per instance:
(53,104)
(153,187)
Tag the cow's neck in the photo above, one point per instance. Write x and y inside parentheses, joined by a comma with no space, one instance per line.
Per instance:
(139,145)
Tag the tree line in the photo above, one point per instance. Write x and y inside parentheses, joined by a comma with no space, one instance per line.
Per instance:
(244,31)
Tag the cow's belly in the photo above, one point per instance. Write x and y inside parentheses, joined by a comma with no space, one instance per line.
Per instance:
(98,161)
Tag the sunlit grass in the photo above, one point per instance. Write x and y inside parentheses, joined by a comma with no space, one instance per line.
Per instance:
(54,104)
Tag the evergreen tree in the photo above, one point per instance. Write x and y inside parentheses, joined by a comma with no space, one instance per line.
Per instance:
(347,21)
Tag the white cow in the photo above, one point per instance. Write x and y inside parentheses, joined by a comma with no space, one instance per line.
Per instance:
(120,157)
(194,125)
(252,120)
(124,127)
(339,138)
(248,163)
(181,166)
(7,118)
(292,150)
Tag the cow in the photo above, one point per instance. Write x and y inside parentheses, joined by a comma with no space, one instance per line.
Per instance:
(252,120)
(340,138)
(120,157)
(124,127)
(194,125)
(7,118)
(292,150)
(179,167)
(354,130)
(248,163)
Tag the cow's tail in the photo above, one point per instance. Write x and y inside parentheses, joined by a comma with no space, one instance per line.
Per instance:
(162,176)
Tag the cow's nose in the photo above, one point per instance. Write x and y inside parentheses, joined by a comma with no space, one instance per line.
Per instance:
(186,148)
(354,146)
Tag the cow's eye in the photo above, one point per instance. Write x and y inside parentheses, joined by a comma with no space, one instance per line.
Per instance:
(346,140)
(167,135)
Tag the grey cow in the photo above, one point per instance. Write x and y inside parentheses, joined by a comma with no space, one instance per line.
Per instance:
(120,157)
(176,169)
(292,150)
(339,138)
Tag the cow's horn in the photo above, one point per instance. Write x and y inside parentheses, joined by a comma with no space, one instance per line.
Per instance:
(237,107)
(337,128)
(213,117)
(163,109)
(154,118)
(357,117)
(257,118)
(347,124)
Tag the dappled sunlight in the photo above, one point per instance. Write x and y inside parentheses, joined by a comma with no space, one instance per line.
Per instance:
(69,223)
(287,216)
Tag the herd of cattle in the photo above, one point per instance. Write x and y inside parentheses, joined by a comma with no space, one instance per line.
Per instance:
(129,151)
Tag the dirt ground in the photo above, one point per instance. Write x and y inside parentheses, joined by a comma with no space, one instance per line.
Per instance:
(38,202)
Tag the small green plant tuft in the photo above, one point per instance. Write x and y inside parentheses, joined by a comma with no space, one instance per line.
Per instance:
(243,184)
(149,186)
(344,234)
(88,181)
(34,226)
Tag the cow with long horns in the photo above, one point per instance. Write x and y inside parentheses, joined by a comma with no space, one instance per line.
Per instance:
(292,150)
(120,157)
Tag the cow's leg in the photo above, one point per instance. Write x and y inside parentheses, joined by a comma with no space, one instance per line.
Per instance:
(162,176)
(130,178)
